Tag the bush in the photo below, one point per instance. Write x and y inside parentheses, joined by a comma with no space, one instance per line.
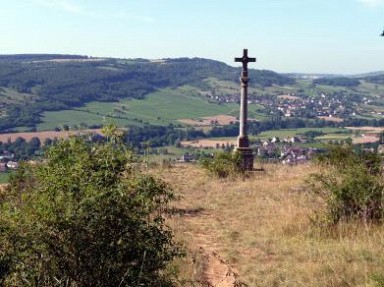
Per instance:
(351,184)
(86,217)
(223,164)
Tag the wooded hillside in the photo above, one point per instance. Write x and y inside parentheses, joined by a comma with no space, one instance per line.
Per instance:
(32,84)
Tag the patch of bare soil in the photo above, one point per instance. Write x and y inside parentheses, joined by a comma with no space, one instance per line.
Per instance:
(213,270)
(217,272)
(366,139)
(331,119)
(210,143)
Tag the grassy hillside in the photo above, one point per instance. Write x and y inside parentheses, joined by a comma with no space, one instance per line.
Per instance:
(31,85)
(45,91)
(161,108)
(261,229)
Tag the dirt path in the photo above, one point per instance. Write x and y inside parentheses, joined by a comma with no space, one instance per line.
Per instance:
(196,222)
(216,272)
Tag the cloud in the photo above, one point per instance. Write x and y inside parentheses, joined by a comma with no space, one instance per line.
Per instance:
(372,3)
(63,5)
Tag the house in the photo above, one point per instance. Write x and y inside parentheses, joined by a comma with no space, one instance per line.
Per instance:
(187,157)
(12,165)
(291,140)
(297,155)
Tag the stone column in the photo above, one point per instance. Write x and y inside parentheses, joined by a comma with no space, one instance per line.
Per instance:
(243,142)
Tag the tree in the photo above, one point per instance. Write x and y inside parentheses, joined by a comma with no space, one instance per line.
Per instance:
(86,217)
(33,146)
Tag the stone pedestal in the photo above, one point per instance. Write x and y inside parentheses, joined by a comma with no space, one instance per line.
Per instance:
(242,142)
(246,157)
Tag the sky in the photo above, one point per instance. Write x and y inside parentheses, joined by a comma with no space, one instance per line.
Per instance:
(303,36)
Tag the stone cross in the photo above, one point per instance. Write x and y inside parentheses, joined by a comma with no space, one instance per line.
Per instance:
(243,142)
(245,60)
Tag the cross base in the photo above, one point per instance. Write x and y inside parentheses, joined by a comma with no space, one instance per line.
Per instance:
(246,158)
(243,142)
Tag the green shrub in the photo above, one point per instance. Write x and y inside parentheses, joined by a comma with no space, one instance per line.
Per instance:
(379,280)
(86,216)
(223,164)
(351,184)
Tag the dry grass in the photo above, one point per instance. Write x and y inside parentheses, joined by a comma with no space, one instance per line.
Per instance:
(261,226)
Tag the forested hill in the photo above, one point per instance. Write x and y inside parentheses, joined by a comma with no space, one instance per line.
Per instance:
(32,84)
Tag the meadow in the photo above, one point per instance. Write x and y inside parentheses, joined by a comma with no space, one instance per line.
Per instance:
(294,132)
(160,108)
(262,229)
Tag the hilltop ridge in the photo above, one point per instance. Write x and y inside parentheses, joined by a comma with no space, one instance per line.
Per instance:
(32,85)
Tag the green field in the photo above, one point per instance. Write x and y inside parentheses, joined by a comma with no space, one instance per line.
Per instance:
(334,137)
(160,108)
(8,95)
(337,132)
(229,87)
(371,88)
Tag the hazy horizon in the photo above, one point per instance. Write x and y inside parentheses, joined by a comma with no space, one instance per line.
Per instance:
(286,36)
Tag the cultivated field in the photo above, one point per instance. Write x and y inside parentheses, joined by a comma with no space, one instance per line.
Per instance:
(331,119)
(365,129)
(159,108)
(184,104)
(294,132)
(260,228)
(210,143)
(222,120)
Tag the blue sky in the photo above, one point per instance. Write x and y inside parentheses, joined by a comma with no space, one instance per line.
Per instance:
(319,36)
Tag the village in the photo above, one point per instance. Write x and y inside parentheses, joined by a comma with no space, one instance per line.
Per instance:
(337,105)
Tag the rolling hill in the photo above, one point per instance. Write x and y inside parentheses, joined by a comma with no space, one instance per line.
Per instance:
(47,91)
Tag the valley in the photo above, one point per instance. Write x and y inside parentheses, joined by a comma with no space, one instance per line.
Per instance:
(42,93)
